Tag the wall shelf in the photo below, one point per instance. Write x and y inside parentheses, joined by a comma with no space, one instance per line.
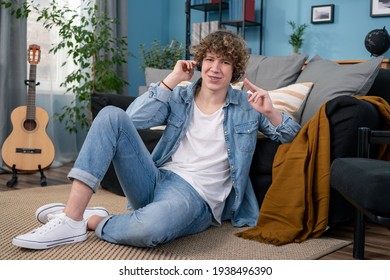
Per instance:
(247,23)
(221,6)
(210,6)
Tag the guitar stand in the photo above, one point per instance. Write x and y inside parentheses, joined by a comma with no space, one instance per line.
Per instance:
(14,177)
(43,177)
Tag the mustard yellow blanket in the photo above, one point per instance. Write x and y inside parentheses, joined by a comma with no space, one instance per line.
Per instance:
(296,204)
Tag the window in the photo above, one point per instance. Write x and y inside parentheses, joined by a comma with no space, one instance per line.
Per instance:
(50,74)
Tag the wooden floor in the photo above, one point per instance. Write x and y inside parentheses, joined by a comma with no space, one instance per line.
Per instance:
(377,237)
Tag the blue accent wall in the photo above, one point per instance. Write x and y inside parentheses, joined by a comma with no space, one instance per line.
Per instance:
(165,20)
(148,20)
(342,39)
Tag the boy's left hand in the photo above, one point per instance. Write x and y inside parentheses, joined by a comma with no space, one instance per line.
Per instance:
(260,100)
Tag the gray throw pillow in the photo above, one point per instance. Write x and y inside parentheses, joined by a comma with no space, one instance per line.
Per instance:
(274,72)
(331,80)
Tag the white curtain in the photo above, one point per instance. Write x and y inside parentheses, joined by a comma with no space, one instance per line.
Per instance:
(117,9)
(49,95)
(13,58)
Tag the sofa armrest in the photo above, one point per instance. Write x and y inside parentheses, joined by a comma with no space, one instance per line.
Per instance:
(346,114)
(99,101)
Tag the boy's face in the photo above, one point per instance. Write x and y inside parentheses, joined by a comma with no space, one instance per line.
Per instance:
(217,71)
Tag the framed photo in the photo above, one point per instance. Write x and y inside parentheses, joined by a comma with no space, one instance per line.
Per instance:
(380,8)
(322,14)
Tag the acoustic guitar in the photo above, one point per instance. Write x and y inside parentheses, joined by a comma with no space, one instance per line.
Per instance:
(28,148)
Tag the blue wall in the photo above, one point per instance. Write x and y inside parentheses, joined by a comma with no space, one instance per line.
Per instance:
(145,25)
(343,39)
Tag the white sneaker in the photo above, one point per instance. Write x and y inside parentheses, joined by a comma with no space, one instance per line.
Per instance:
(42,214)
(59,230)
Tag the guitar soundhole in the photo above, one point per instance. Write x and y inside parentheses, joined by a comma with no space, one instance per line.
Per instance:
(29,125)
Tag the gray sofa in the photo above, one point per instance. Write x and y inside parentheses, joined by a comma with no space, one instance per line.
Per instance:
(332,84)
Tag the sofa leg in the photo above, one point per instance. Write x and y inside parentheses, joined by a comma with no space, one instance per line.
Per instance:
(359,236)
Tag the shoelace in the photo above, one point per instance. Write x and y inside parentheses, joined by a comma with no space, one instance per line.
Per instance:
(53,221)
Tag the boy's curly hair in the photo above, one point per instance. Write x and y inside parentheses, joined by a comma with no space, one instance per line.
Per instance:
(227,44)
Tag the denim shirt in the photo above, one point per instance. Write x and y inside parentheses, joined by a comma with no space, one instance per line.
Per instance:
(241,124)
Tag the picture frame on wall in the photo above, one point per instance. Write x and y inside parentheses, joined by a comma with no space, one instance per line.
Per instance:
(322,14)
(380,8)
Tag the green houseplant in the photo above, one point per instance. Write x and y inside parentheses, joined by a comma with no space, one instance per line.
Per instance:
(296,37)
(90,44)
(161,56)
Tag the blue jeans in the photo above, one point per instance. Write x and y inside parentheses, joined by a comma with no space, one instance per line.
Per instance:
(165,205)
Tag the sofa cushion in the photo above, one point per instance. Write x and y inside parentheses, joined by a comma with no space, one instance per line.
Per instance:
(331,79)
(363,182)
(291,99)
(275,71)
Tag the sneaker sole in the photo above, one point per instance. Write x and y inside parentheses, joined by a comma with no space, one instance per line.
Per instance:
(48,244)
(53,208)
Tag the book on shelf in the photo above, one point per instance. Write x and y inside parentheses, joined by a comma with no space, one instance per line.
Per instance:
(199,2)
(202,29)
(237,13)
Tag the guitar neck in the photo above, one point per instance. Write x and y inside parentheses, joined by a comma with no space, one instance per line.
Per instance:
(31,93)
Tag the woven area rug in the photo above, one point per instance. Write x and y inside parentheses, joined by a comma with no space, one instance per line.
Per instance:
(218,243)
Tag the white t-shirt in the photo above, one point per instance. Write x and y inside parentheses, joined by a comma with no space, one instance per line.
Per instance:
(201,159)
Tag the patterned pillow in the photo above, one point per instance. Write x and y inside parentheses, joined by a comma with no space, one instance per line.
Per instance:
(291,99)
